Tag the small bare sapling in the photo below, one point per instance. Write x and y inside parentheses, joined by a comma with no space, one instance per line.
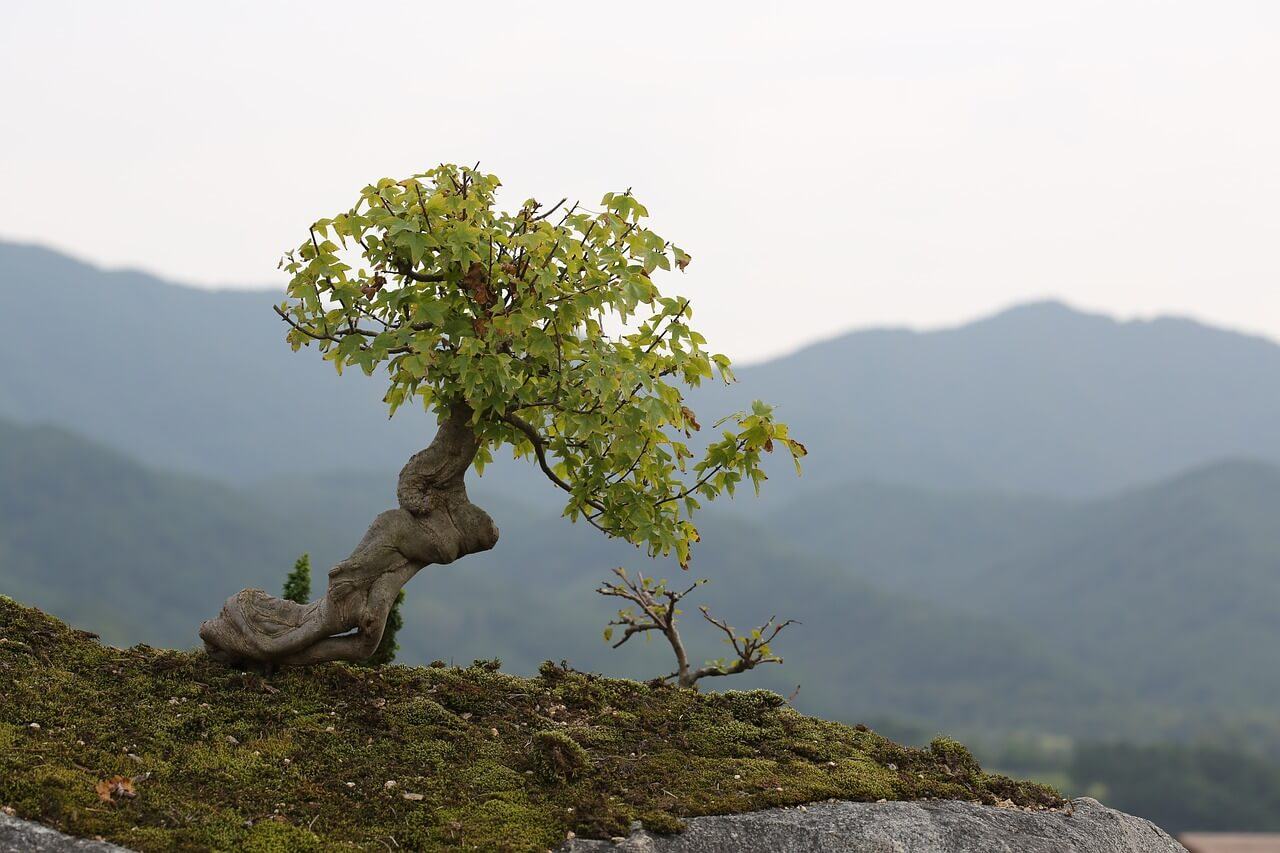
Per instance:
(653,607)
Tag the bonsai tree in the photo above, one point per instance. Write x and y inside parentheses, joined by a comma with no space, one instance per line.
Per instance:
(542,331)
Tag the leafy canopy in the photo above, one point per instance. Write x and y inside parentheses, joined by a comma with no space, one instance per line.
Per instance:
(549,325)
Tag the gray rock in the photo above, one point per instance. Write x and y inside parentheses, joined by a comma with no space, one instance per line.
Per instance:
(935,826)
(23,836)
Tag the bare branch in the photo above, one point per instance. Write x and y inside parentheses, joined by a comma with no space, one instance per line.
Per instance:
(751,650)
(553,209)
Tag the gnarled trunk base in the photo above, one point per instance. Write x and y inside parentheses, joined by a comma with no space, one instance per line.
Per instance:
(435,524)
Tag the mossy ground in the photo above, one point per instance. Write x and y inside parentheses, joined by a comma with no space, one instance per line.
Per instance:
(305,760)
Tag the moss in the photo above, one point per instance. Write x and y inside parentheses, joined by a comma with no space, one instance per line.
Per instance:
(954,757)
(270,836)
(324,758)
(558,757)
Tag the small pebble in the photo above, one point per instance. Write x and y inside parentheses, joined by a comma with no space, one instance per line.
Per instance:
(413,797)
(35,726)
(349,784)
(389,784)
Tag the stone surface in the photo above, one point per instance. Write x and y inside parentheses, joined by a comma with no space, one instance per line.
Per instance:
(936,826)
(23,836)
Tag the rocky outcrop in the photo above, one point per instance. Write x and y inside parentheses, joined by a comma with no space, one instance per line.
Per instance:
(23,836)
(933,826)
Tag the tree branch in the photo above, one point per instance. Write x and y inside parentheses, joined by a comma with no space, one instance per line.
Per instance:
(417,276)
(553,209)
(539,450)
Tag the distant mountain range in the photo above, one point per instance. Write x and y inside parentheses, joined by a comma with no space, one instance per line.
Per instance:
(1044,521)
(1039,399)
(192,380)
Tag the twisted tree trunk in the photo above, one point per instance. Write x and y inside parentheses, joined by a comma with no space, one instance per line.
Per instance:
(435,524)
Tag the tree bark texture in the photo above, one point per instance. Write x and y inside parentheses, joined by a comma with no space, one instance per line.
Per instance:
(435,524)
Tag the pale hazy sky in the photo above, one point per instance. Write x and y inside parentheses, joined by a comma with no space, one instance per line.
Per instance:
(829,166)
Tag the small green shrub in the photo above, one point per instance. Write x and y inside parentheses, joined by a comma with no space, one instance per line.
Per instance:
(297,587)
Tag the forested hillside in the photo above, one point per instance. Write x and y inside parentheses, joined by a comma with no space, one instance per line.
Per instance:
(128,551)
(1173,588)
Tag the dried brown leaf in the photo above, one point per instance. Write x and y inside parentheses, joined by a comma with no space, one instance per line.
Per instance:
(117,787)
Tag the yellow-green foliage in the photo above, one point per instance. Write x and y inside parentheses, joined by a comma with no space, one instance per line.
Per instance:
(225,760)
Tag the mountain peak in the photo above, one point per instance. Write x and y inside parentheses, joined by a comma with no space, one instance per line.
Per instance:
(1042,309)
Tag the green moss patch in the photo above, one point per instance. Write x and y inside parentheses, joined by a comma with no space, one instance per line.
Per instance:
(412,758)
